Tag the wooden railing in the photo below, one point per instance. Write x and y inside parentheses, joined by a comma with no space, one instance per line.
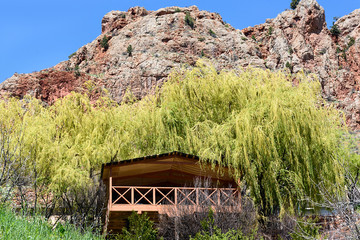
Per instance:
(159,196)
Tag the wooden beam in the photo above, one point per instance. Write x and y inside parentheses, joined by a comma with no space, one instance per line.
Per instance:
(168,175)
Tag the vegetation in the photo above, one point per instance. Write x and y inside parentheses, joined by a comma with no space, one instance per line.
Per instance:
(289,66)
(294,4)
(189,20)
(335,31)
(253,38)
(140,227)
(212,232)
(351,42)
(212,33)
(270,31)
(182,222)
(71,55)
(13,226)
(177,10)
(272,135)
(77,71)
(307,229)
(129,50)
(105,43)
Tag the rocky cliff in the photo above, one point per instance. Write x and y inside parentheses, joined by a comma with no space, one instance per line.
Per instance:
(138,49)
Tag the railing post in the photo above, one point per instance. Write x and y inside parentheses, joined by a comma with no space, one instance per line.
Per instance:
(132,195)
(154,196)
(218,194)
(176,198)
(197,196)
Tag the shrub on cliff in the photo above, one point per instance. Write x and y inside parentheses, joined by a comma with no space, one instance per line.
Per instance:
(129,50)
(189,20)
(294,4)
(334,30)
(105,43)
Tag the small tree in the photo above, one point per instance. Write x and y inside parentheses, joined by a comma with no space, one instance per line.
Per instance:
(294,4)
(105,43)
(13,161)
(129,50)
(140,227)
(189,20)
(334,30)
(77,71)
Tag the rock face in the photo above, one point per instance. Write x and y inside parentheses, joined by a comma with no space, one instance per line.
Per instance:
(138,49)
(300,40)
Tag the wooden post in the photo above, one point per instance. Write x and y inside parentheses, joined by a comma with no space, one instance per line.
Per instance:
(132,195)
(197,196)
(110,189)
(176,198)
(154,196)
(110,193)
(107,216)
(239,191)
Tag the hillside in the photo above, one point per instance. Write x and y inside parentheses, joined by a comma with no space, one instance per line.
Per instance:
(162,40)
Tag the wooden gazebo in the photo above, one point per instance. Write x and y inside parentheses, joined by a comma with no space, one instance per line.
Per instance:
(156,183)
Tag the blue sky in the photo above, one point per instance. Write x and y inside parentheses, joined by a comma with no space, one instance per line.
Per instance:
(38,34)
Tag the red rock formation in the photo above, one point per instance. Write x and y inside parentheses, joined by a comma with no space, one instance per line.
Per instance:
(48,85)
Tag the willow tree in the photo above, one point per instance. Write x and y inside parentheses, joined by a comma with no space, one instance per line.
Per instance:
(278,137)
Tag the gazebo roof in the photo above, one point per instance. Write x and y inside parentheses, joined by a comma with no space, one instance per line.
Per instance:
(173,167)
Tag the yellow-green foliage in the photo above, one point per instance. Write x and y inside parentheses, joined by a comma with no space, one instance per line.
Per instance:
(277,138)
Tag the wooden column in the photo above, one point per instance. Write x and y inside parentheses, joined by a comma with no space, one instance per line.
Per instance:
(107,216)
(239,191)
(110,189)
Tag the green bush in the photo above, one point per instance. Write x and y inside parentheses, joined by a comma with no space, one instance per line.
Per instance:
(140,227)
(77,71)
(270,31)
(294,4)
(307,229)
(212,232)
(189,20)
(212,33)
(129,50)
(334,30)
(105,43)
(351,42)
(71,55)
(289,66)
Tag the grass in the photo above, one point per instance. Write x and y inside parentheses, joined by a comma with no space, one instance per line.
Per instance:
(13,226)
